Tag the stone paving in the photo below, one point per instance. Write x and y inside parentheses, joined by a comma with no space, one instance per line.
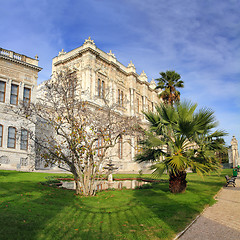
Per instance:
(220,221)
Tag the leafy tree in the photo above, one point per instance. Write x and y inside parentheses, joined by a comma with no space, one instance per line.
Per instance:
(74,133)
(180,138)
(169,82)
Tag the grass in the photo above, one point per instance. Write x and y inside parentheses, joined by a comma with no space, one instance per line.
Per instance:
(32,211)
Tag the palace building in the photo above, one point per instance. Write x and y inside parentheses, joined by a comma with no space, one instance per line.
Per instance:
(97,73)
(100,73)
(18,83)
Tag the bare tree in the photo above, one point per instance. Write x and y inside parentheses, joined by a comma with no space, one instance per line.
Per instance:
(75,132)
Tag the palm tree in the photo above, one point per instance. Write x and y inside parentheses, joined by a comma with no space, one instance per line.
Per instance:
(173,129)
(169,82)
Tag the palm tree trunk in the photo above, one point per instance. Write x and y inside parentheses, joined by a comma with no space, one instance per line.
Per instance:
(177,182)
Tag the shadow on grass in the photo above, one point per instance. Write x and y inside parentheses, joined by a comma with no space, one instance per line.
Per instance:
(29,211)
(172,211)
(26,205)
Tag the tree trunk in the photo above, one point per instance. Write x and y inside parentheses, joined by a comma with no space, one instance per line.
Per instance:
(78,189)
(177,182)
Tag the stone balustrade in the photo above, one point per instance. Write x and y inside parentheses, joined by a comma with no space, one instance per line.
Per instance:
(19,57)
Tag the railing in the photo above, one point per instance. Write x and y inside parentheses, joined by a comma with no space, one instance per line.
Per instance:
(4,52)
(12,54)
(17,56)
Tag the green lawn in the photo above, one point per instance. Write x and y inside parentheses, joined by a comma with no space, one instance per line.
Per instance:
(30,210)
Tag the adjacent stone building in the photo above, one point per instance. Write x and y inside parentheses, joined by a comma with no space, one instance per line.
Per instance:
(18,83)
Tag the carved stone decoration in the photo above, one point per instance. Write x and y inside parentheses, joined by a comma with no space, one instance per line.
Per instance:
(89,40)
(143,76)
(4,160)
(131,67)
(153,84)
(111,54)
(61,53)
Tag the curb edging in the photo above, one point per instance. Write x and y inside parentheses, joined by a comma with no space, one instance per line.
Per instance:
(198,216)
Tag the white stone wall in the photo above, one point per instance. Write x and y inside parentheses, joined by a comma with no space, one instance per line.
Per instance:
(22,74)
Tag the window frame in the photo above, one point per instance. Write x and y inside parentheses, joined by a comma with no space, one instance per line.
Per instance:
(12,138)
(138,105)
(1,135)
(29,99)
(26,140)
(13,84)
(102,89)
(120,97)
(99,87)
(4,92)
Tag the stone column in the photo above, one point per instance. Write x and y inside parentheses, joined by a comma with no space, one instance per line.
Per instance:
(8,91)
(20,92)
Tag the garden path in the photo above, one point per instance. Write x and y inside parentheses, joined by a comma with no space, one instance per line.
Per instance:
(220,221)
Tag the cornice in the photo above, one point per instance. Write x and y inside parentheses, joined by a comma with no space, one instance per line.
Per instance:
(100,54)
(20,62)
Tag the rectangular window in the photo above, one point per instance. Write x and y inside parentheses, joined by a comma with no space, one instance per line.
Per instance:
(1,134)
(99,145)
(14,94)
(26,96)
(142,103)
(120,148)
(24,139)
(138,105)
(11,137)
(99,87)
(2,91)
(103,89)
(24,162)
(120,97)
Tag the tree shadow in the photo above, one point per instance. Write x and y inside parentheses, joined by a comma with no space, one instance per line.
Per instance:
(29,211)
(172,211)
(26,206)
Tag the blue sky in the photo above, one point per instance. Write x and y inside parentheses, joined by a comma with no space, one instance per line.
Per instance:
(198,39)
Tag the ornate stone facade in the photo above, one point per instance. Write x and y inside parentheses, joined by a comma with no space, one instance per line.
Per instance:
(18,82)
(98,71)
